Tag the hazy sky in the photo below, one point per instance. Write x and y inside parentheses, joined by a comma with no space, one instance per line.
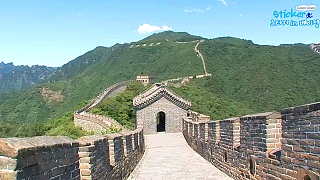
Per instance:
(53,32)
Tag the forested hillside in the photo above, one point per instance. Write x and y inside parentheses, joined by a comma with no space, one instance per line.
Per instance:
(85,77)
(246,77)
(263,78)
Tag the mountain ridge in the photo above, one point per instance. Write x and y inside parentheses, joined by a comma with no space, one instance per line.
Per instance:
(15,78)
(259,78)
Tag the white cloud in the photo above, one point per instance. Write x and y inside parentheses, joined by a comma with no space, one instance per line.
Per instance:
(147,28)
(224,2)
(166,28)
(193,10)
(197,10)
(306,8)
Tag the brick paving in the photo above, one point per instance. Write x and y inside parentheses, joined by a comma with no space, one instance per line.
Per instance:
(168,156)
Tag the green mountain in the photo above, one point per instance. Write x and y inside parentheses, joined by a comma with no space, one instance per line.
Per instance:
(246,77)
(82,79)
(170,36)
(78,65)
(14,78)
(264,78)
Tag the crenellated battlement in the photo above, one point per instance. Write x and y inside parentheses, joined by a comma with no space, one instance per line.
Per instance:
(195,116)
(315,47)
(94,122)
(112,156)
(146,79)
(272,145)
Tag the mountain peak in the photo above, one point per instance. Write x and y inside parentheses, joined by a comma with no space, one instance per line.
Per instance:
(3,63)
(233,40)
(171,36)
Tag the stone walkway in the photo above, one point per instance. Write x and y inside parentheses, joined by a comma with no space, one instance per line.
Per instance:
(168,156)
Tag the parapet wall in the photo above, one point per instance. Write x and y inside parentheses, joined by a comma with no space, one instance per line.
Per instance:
(109,92)
(315,47)
(110,157)
(275,145)
(113,156)
(96,123)
(39,158)
(301,140)
(195,116)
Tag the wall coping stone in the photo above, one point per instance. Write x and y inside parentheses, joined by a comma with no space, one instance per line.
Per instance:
(212,122)
(14,147)
(114,136)
(127,133)
(233,119)
(188,119)
(266,115)
(302,109)
(228,119)
(138,130)
(89,140)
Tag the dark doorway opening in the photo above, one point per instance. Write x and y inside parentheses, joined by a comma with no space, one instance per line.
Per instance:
(306,177)
(252,167)
(225,156)
(161,122)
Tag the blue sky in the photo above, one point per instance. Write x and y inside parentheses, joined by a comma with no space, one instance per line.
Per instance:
(53,32)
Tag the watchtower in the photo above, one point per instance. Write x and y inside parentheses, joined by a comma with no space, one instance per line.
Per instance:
(146,79)
(160,110)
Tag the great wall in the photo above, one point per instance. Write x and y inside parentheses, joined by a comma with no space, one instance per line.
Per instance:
(315,47)
(97,123)
(273,145)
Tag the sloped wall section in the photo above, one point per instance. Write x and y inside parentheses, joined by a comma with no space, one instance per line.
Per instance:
(96,123)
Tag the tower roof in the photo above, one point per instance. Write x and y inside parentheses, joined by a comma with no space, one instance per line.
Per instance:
(156,92)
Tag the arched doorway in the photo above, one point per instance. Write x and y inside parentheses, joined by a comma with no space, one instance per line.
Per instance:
(306,177)
(161,122)
(252,167)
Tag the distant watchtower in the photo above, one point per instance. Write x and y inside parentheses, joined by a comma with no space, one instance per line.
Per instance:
(146,79)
